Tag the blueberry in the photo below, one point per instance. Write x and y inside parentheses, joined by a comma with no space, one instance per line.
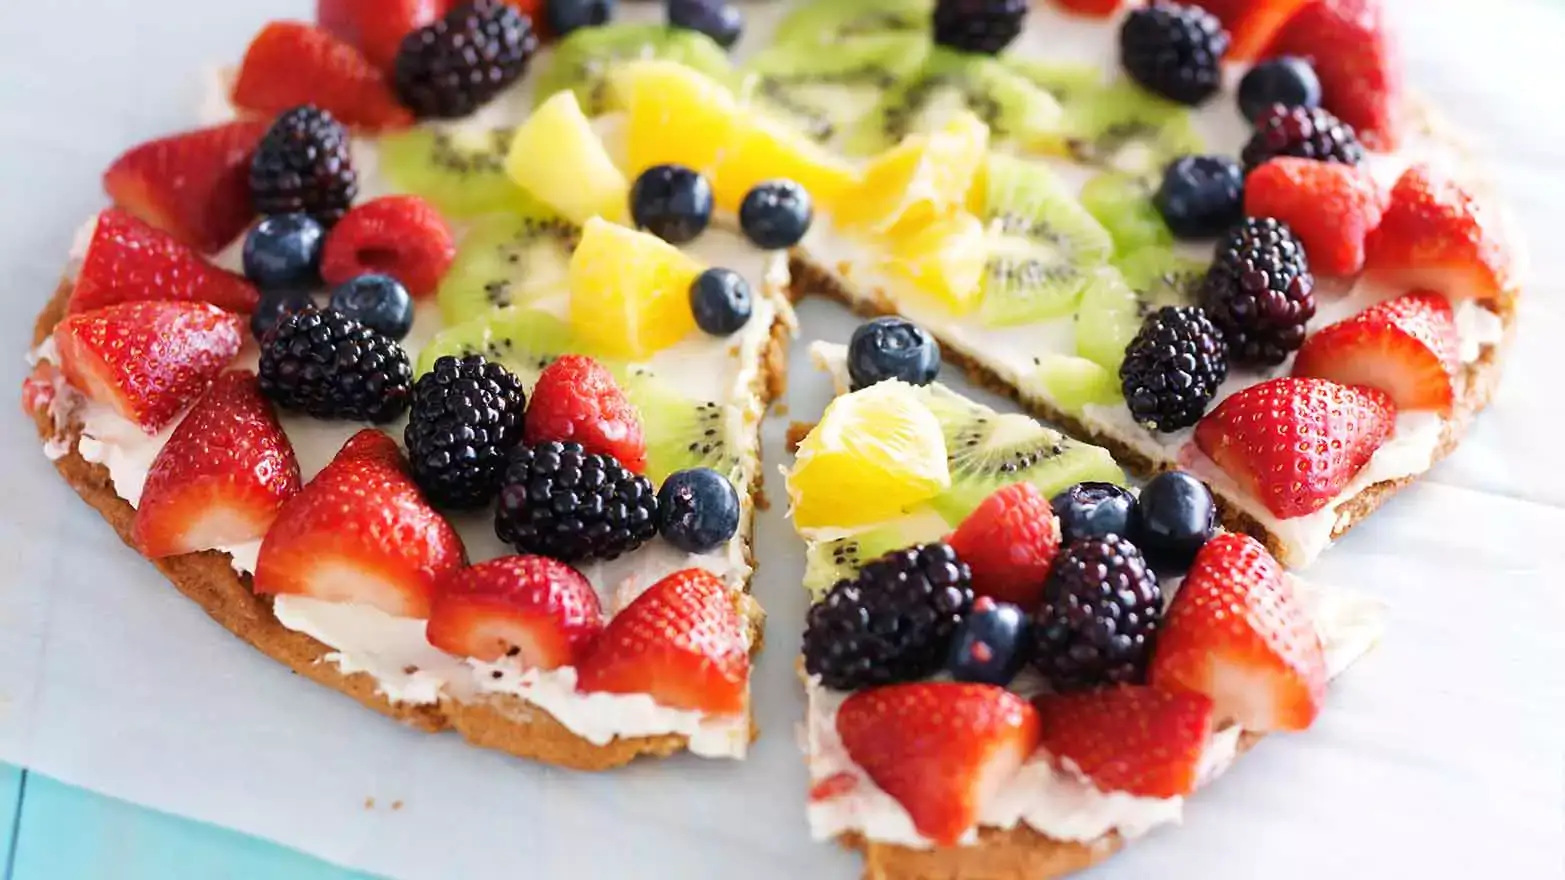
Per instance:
(990,644)
(721,301)
(1176,517)
(672,202)
(379,302)
(564,16)
(892,348)
(775,214)
(1201,196)
(1092,510)
(1287,80)
(698,510)
(284,250)
(718,20)
(274,304)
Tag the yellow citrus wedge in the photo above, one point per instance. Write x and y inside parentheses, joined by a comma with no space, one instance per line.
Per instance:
(557,157)
(764,149)
(945,258)
(674,114)
(630,291)
(874,454)
(925,177)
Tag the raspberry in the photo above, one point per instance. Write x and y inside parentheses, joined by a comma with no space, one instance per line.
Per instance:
(576,399)
(1009,541)
(401,236)
(1331,208)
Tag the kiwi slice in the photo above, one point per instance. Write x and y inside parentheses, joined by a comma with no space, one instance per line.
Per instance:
(680,432)
(460,171)
(581,62)
(823,93)
(1014,109)
(1123,204)
(507,260)
(1066,81)
(1075,382)
(986,450)
(827,562)
(1123,127)
(834,21)
(1042,244)
(1116,301)
(524,340)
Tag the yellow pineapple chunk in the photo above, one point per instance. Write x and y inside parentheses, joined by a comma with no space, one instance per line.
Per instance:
(558,158)
(924,178)
(945,258)
(675,115)
(630,291)
(764,149)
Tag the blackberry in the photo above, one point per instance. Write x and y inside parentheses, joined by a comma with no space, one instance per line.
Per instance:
(1259,292)
(1173,50)
(984,26)
(465,419)
(1305,132)
(560,501)
(893,622)
(330,366)
(1173,367)
(302,165)
(1100,615)
(450,68)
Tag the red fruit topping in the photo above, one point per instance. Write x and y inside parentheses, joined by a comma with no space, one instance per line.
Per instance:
(401,236)
(940,748)
(361,533)
(833,786)
(1009,542)
(577,399)
(1294,443)
(38,389)
(376,27)
(129,261)
(682,642)
(1129,738)
(290,63)
(1435,236)
(1347,43)
(1406,347)
(195,185)
(538,610)
(1251,24)
(1237,633)
(1331,207)
(221,478)
(1091,8)
(147,360)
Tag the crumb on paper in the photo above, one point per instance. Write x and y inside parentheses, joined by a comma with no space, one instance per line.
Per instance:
(780,409)
(369,803)
(396,805)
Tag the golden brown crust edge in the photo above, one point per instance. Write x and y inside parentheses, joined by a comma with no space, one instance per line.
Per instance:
(504,723)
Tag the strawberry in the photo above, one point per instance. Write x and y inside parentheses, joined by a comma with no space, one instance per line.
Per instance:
(1435,236)
(1294,443)
(222,476)
(39,388)
(1331,207)
(147,360)
(194,185)
(1009,541)
(1237,633)
(1251,24)
(538,610)
(682,642)
(360,532)
(129,261)
(1350,47)
(376,27)
(1129,738)
(290,63)
(1406,347)
(1091,8)
(576,398)
(940,748)
(401,236)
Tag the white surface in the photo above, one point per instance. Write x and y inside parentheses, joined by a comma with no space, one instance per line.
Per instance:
(1440,755)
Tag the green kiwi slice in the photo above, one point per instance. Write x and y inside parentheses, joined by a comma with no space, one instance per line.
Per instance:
(1043,245)
(460,172)
(581,62)
(1074,382)
(826,562)
(1123,205)
(1068,82)
(508,260)
(1117,300)
(524,340)
(833,21)
(1123,127)
(823,93)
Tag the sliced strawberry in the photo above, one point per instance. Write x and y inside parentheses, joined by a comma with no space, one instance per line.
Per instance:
(1350,47)
(940,748)
(538,610)
(39,388)
(401,236)
(360,532)
(1406,347)
(1237,633)
(376,27)
(682,642)
(221,478)
(129,261)
(1091,8)
(1251,24)
(1009,542)
(1435,236)
(1129,738)
(1294,443)
(147,360)
(577,399)
(1331,207)
(195,185)
(290,63)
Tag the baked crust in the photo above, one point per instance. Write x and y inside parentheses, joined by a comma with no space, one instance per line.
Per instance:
(505,723)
